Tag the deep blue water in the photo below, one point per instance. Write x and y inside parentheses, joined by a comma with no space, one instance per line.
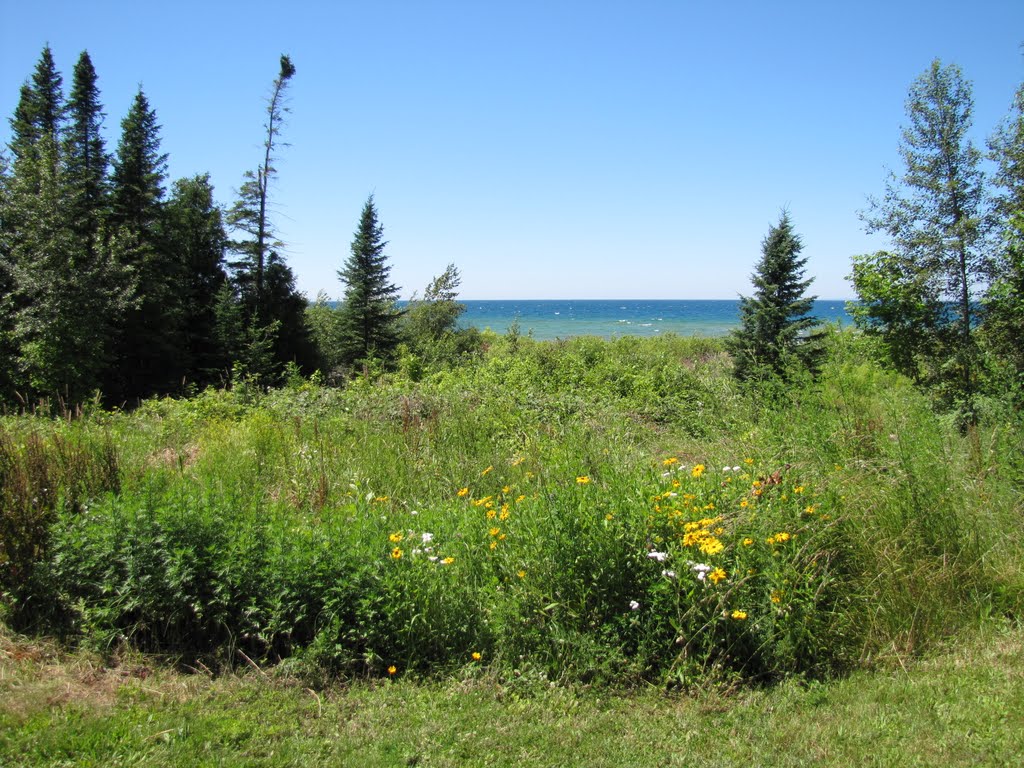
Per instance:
(614,317)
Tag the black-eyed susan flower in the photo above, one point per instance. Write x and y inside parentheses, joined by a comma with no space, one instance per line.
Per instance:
(396,553)
(717,575)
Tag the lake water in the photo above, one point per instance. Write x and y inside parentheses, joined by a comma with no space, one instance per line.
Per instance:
(610,318)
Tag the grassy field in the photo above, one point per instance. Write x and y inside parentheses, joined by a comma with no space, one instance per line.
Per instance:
(963,706)
(606,530)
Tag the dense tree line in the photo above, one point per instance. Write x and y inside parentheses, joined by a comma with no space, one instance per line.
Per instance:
(110,283)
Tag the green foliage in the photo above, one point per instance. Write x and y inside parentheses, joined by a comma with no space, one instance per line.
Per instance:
(517,507)
(430,327)
(775,333)
(368,316)
(935,214)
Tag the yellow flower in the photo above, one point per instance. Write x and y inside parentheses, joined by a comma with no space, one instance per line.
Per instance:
(521,574)
(782,537)
(487,470)
(396,553)
(609,516)
(739,615)
(448,560)
(518,460)
(490,514)
(776,596)
(494,531)
(748,461)
(717,575)
(520,497)
(392,669)
(697,471)
(670,461)
(463,491)
(477,655)
(798,489)
(494,545)
(395,537)
(711,546)
(744,503)
(748,541)
(582,479)
(504,513)
(506,488)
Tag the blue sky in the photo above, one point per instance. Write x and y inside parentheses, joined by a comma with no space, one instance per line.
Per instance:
(548,149)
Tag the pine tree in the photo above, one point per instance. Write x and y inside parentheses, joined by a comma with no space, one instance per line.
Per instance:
(195,233)
(369,318)
(149,358)
(934,215)
(249,215)
(85,158)
(272,308)
(40,110)
(775,328)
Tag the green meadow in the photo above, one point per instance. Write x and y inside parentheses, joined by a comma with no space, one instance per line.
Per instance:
(573,552)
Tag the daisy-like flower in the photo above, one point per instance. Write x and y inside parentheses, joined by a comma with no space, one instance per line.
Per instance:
(633,605)
(396,553)
(477,655)
(661,557)
(427,538)
(463,492)
(717,575)
(583,479)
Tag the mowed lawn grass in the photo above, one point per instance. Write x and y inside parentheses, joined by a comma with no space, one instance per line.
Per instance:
(961,706)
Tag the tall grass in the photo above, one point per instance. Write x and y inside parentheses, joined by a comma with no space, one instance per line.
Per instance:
(581,510)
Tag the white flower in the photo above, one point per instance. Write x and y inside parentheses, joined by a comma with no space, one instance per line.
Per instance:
(669,574)
(727,469)
(427,538)
(633,605)
(700,570)
(735,469)
(661,557)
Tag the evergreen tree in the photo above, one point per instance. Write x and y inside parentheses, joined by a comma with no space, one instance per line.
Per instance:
(85,158)
(195,232)
(249,215)
(934,214)
(149,358)
(368,316)
(273,310)
(65,300)
(40,111)
(8,353)
(775,329)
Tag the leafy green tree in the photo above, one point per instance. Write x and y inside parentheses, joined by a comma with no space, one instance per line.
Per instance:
(934,214)
(1004,301)
(369,317)
(775,329)
(431,327)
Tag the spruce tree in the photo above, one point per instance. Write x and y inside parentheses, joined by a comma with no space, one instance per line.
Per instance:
(776,330)
(85,158)
(195,233)
(150,344)
(273,311)
(368,317)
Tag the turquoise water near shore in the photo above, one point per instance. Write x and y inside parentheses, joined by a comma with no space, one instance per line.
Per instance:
(609,318)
